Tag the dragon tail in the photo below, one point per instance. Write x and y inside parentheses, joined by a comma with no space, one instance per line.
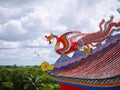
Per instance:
(116,27)
(111,26)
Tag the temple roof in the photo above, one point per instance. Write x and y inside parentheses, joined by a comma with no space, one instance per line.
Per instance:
(102,66)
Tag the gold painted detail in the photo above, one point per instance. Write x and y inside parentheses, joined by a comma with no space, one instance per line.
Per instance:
(46,67)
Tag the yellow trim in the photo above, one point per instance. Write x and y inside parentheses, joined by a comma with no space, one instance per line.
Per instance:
(45,66)
(57,44)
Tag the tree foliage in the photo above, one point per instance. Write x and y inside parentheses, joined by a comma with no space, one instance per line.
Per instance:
(25,78)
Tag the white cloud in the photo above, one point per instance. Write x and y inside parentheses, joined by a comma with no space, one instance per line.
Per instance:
(24,23)
(38,42)
(85,15)
(12,31)
(59,16)
(1,30)
(5,44)
(27,56)
(14,26)
(7,13)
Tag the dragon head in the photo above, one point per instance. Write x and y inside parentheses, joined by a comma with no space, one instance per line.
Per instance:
(49,38)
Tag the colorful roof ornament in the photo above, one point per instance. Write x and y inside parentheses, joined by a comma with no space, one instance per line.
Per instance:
(95,64)
(74,40)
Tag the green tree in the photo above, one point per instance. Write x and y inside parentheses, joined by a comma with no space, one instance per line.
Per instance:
(33,83)
(7,85)
(25,78)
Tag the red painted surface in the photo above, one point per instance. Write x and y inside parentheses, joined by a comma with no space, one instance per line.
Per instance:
(67,87)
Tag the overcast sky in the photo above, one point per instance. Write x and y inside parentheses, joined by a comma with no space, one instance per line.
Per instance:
(24,23)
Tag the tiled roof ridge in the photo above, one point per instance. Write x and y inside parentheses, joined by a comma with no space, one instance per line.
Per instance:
(98,82)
